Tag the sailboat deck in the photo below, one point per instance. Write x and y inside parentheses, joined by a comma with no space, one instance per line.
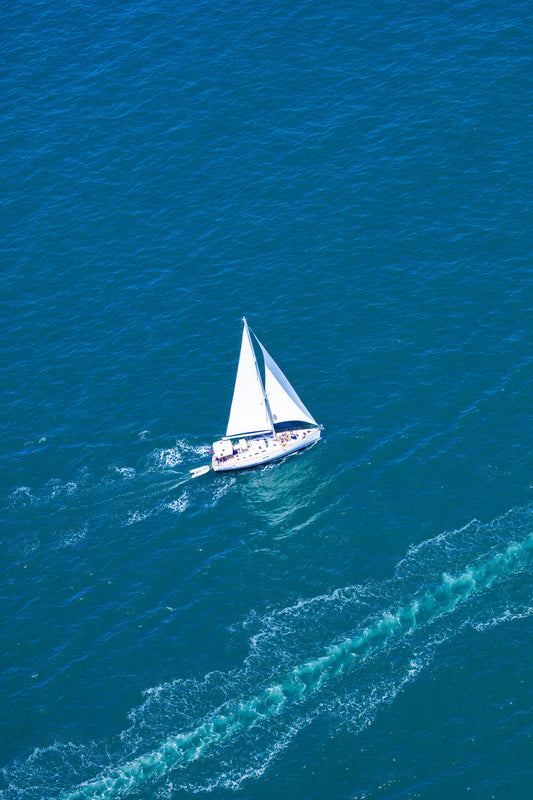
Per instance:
(261,450)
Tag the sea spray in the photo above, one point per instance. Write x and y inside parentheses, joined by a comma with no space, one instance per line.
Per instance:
(424,608)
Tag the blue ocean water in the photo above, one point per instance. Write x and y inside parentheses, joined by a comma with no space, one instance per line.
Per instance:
(355,621)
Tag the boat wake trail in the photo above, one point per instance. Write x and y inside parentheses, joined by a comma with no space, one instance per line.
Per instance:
(230,726)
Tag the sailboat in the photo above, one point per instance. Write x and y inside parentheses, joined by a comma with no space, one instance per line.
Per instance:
(267,419)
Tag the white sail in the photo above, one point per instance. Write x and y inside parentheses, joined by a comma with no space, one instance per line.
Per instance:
(285,405)
(249,412)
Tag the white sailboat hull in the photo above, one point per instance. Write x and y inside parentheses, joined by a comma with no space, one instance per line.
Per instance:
(261,450)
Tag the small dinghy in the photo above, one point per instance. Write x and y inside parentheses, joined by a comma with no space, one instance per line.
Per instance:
(195,473)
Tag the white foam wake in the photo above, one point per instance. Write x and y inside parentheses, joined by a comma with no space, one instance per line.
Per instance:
(393,627)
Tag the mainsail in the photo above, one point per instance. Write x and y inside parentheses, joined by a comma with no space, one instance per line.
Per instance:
(285,405)
(249,414)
